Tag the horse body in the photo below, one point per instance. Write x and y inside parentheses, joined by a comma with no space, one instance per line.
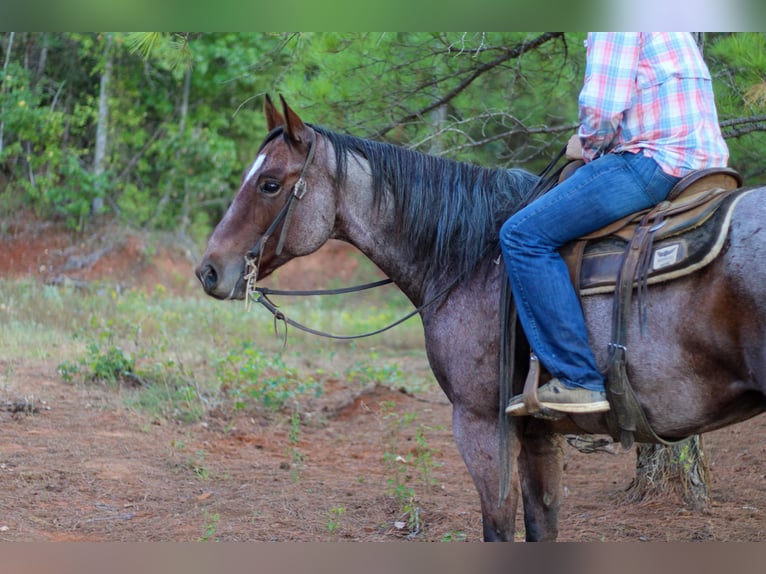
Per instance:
(700,363)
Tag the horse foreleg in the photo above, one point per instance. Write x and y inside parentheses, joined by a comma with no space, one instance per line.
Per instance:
(477,440)
(540,470)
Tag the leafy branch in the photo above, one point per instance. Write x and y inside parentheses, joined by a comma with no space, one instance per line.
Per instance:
(506,55)
(146,43)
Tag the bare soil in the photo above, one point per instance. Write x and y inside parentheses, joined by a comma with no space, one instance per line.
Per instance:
(77,465)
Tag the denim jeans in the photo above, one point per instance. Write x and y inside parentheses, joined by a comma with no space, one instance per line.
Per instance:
(597,194)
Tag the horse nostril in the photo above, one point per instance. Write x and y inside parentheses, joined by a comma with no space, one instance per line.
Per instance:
(208,276)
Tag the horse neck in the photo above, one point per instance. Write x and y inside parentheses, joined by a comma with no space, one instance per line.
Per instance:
(439,220)
(371,229)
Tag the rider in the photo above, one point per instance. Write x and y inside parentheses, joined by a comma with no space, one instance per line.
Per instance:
(647,118)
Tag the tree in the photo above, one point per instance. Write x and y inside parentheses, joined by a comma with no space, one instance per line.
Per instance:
(99,158)
(484,86)
(681,470)
(5,71)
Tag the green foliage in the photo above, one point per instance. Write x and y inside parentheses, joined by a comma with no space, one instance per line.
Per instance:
(738,65)
(104,361)
(167,389)
(169,163)
(184,110)
(211,526)
(47,172)
(425,90)
(334,518)
(454,536)
(368,372)
(295,456)
(251,377)
(176,358)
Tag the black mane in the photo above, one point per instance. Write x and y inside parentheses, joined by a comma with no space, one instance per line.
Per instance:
(450,212)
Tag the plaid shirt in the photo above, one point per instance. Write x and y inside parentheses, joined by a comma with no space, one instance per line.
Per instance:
(650,92)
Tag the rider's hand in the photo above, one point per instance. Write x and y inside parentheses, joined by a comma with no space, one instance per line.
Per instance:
(574,148)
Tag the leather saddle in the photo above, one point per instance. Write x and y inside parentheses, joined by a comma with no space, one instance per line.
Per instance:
(688,231)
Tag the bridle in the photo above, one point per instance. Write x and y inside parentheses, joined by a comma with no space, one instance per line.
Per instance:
(254,256)
(260,294)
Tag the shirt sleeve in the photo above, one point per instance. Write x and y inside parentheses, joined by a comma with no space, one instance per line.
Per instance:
(608,90)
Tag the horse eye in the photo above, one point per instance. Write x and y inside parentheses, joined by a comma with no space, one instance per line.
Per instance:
(270,187)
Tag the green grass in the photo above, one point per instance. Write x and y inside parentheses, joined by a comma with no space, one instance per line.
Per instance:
(183,355)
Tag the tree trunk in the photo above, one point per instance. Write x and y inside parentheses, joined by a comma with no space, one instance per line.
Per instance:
(438,120)
(5,70)
(680,469)
(699,38)
(99,158)
(184,219)
(184,112)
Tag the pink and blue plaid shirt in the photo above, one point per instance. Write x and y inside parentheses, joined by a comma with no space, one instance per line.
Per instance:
(650,92)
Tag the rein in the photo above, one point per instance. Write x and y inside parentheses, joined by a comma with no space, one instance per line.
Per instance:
(263,292)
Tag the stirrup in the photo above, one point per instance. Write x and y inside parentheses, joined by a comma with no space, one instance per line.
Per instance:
(532,404)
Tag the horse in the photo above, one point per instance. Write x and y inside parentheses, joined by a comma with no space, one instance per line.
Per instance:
(431,225)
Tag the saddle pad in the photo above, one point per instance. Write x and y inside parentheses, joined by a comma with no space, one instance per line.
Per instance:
(672,256)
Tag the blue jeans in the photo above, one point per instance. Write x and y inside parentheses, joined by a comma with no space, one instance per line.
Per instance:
(597,194)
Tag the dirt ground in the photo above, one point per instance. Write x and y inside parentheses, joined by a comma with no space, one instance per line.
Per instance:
(77,465)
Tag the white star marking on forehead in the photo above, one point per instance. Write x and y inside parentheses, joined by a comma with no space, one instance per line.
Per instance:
(256,164)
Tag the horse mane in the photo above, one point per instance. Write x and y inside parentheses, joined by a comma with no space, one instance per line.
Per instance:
(449,212)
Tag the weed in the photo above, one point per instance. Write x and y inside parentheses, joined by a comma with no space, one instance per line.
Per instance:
(175,357)
(168,390)
(211,527)
(334,518)
(182,458)
(424,457)
(105,360)
(368,372)
(454,536)
(295,456)
(197,465)
(396,464)
(248,374)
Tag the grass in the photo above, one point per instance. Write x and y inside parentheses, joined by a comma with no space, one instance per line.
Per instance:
(185,354)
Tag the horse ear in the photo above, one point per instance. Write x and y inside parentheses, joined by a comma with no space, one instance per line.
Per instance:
(273,117)
(295,129)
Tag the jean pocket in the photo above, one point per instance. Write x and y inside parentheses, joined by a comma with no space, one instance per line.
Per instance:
(659,185)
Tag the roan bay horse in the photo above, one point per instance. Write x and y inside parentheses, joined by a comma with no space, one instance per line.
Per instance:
(429,222)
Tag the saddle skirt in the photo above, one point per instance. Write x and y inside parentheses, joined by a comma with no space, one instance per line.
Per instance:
(688,232)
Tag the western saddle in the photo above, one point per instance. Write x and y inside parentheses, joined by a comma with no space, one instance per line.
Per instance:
(674,238)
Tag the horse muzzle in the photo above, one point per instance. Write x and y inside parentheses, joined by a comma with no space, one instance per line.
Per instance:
(221,283)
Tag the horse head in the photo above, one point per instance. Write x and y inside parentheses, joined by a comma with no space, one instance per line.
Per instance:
(283,208)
